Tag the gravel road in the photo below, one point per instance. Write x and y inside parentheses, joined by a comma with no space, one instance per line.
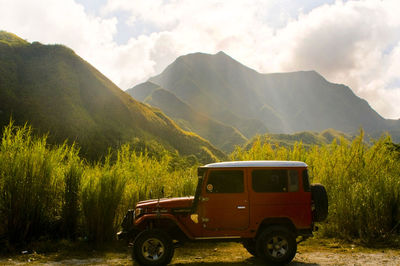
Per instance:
(229,254)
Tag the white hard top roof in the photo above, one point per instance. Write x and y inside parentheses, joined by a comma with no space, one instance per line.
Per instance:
(257,164)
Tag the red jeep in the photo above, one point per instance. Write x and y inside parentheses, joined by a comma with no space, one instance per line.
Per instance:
(269,206)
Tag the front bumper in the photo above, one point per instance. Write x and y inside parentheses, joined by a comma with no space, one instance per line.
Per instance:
(122,235)
(128,228)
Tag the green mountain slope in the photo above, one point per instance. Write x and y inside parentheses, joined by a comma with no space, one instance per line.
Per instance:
(56,91)
(216,86)
(222,136)
(276,103)
(307,138)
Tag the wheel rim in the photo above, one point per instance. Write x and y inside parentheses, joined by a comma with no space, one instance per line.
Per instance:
(153,249)
(277,246)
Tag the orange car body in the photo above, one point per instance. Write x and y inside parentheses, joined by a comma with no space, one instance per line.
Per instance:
(237,214)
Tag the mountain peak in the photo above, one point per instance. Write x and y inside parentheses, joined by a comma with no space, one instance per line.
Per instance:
(11,39)
(314,73)
(221,53)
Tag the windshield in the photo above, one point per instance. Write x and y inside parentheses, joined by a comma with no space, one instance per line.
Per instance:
(200,173)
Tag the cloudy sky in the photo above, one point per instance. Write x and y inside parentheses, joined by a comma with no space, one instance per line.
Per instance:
(356,43)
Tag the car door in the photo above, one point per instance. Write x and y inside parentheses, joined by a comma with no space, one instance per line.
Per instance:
(224,202)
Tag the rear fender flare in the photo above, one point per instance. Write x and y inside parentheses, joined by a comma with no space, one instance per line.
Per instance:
(282,221)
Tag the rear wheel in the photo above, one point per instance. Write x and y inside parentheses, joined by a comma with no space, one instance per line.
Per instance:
(276,245)
(153,247)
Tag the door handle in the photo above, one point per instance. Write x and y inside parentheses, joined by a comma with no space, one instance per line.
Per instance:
(241,207)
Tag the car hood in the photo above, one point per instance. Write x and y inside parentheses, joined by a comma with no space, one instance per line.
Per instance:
(183,202)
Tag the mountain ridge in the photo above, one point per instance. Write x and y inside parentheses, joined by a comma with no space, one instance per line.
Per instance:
(229,92)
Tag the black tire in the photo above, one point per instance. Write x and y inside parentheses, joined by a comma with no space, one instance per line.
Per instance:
(276,245)
(250,245)
(320,199)
(153,247)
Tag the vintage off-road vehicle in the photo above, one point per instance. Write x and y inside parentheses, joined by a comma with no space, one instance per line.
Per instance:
(268,206)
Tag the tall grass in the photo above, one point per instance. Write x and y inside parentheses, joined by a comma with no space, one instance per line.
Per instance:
(31,182)
(50,190)
(102,192)
(364,187)
(110,189)
(72,192)
(363,182)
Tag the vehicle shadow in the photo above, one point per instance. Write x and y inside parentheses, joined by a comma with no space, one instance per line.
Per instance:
(293,263)
(249,261)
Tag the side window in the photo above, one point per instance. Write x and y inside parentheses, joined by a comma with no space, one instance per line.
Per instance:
(221,181)
(293,180)
(275,180)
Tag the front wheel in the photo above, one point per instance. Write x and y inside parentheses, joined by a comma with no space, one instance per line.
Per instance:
(153,247)
(276,245)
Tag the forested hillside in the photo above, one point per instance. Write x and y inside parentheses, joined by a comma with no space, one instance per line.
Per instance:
(306,138)
(57,92)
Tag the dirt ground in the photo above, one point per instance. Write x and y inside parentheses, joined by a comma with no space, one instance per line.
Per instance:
(315,252)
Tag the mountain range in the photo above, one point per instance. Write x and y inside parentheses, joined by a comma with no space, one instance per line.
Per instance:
(247,103)
(60,94)
(201,104)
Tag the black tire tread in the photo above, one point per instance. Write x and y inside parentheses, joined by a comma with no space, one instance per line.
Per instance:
(276,230)
(161,235)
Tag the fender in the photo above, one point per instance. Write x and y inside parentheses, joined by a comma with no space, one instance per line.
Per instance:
(281,221)
(143,221)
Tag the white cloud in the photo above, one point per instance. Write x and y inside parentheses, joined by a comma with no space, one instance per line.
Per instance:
(63,22)
(356,43)
(347,43)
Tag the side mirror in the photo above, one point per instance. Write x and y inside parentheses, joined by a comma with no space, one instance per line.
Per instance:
(200,171)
